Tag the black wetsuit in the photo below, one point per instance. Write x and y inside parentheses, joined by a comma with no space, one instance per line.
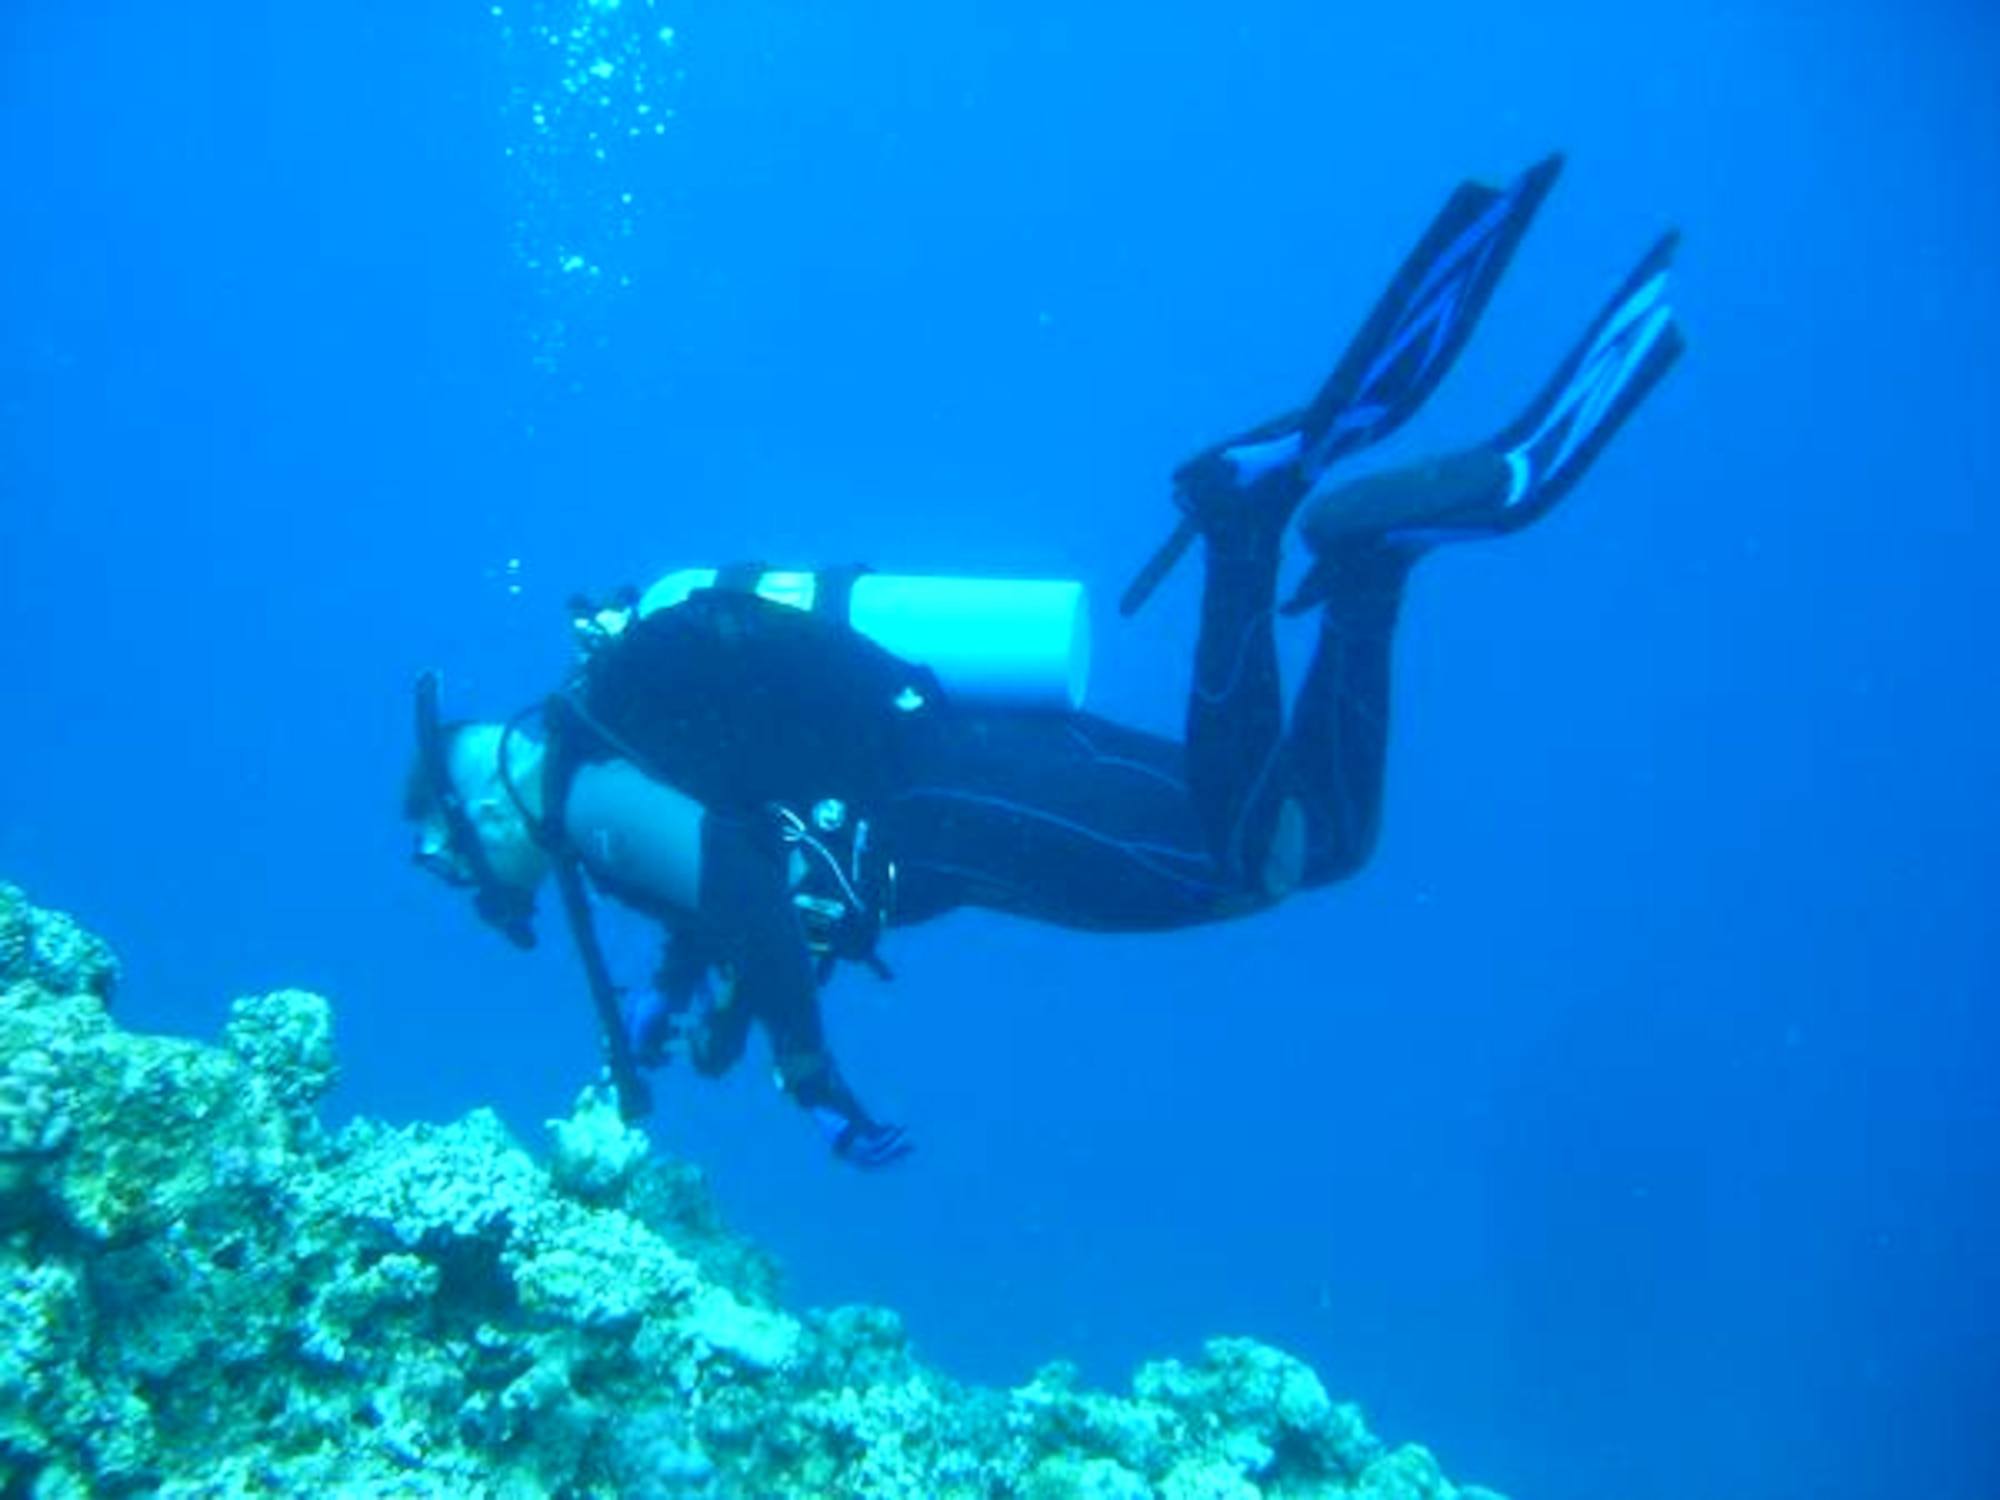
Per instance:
(1076,820)
(1066,818)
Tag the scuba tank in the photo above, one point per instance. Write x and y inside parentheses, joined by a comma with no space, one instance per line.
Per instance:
(1021,643)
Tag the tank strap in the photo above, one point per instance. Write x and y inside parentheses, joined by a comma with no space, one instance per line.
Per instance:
(739,577)
(833,590)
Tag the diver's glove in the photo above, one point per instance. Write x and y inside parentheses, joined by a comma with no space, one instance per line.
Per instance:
(862,1143)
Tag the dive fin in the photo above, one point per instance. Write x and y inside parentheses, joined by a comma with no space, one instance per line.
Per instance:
(1633,343)
(1518,477)
(1423,320)
(1409,341)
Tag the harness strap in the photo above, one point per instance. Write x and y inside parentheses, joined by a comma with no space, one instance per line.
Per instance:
(739,578)
(832,588)
(833,591)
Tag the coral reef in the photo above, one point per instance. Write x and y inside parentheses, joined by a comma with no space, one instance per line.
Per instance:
(202,1292)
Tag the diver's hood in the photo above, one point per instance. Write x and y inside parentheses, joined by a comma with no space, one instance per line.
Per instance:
(506,908)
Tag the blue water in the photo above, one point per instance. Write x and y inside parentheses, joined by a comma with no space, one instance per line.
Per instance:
(1628,1128)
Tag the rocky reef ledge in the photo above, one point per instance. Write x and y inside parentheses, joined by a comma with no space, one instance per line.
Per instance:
(204,1293)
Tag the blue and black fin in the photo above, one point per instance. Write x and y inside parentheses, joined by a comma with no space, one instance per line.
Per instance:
(1404,349)
(1423,320)
(1516,478)
(1627,351)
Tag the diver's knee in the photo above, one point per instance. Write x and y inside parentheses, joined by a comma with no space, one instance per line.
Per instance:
(1284,864)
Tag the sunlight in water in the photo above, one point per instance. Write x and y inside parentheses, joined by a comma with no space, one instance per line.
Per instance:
(589,88)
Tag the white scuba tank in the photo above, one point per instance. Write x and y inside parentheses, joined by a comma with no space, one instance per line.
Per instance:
(1018,642)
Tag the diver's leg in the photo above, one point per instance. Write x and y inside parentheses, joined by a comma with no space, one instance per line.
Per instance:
(746,899)
(1085,823)
(749,929)
(1068,819)
(1366,536)
(1338,745)
(1235,710)
(1239,495)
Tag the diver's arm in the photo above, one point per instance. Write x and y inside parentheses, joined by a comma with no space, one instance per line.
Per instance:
(746,901)
(725,877)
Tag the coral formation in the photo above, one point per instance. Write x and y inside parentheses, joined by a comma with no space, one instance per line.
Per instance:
(204,1293)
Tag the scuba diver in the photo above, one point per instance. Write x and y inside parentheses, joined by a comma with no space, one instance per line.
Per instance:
(778,766)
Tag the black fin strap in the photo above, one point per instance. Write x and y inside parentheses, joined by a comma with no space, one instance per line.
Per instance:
(635,1100)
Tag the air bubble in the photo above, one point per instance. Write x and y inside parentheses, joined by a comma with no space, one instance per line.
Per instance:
(590,84)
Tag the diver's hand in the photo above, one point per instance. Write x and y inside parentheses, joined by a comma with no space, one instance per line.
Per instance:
(863,1143)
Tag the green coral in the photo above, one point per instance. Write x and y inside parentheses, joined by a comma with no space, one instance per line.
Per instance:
(35,1123)
(594,1154)
(204,1293)
(286,1037)
(51,950)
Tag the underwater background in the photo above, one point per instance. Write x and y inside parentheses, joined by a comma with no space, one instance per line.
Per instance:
(1628,1127)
